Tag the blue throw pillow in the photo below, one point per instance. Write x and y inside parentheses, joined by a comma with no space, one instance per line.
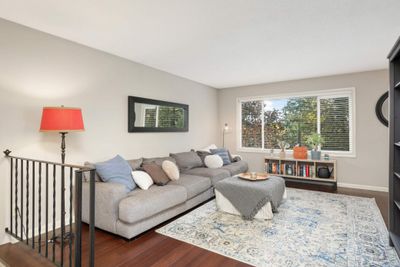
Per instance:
(223,153)
(116,170)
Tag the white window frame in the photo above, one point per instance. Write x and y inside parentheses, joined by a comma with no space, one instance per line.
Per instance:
(320,94)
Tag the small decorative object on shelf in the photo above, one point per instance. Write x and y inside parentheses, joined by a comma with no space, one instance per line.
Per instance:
(271,151)
(300,152)
(326,157)
(289,170)
(318,172)
(315,141)
(283,146)
(324,172)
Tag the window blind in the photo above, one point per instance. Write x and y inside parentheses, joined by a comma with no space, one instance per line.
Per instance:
(335,123)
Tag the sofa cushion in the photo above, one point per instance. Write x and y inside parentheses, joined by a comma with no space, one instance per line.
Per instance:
(193,184)
(187,160)
(158,161)
(215,175)
(141,204)
(135,163)
(142,179)
(203,155)
(236,167)
(170,169)
(213,162)
(156,172)
(116,170)
(223,153)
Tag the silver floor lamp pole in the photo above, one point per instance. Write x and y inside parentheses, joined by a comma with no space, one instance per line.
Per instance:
(226,127)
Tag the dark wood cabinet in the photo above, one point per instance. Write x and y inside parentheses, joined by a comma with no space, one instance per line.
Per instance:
(394,147)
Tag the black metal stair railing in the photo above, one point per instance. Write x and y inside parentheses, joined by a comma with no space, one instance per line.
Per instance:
(61,239)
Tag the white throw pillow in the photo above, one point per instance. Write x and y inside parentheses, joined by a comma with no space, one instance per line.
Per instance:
(213,161)
(208,149)
(170,169)
(142,179)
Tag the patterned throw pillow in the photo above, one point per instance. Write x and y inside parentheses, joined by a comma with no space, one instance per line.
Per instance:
(223,153)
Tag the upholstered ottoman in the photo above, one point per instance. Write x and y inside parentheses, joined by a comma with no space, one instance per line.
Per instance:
(250,199)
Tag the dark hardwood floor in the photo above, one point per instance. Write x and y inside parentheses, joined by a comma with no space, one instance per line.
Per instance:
(152,249)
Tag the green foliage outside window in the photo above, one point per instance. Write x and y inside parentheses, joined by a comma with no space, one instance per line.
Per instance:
(294,120)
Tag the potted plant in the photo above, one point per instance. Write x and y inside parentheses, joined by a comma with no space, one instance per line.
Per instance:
(283,145)
(315,141)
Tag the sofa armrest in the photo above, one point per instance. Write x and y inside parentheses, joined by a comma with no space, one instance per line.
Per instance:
(236,158)
(107,198)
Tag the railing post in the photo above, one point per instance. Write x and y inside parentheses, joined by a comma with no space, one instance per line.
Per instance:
(11,194)
(71,176)
(27,204)
(54,215)
(33,205)
(47,211)
(22,200)
(40,209)
(62,214)
(92,217)
(78,218)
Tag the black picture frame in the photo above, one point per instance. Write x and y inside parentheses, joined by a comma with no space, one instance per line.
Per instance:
(132,100)
(378,109)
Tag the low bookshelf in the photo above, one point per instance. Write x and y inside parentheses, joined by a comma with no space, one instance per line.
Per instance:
(301,170)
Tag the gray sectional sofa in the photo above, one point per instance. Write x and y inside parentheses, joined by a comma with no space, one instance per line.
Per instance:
(129,214)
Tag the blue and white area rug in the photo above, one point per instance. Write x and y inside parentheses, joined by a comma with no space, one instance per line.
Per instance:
(311,229)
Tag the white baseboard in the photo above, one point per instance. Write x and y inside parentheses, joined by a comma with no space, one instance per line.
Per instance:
(364,187)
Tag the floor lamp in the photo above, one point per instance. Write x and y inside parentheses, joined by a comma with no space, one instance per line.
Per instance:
(224,131)
(62,120)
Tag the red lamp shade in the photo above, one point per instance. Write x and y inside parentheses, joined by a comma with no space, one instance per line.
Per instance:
(61,119)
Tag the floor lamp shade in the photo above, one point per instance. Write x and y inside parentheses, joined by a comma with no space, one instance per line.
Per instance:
(61,119)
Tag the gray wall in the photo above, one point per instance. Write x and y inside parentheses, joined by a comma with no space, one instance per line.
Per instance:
(39,70)
(369,169)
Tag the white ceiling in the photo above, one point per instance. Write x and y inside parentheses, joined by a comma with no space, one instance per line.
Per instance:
(225,43)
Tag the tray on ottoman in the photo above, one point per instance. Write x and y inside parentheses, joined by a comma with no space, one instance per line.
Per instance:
(254,176)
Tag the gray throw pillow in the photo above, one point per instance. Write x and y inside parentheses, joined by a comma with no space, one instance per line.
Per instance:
(135,163)
(157,161)
(203,155)
(223,153)
(116,170)
(187,160)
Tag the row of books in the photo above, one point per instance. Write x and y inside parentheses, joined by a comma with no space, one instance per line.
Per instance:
(288,168)
(281,168)
(306,170)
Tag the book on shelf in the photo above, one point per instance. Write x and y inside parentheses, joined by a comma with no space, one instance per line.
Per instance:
(305,170)
(283,168)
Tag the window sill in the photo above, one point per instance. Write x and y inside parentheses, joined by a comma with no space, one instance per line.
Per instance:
(290,152)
